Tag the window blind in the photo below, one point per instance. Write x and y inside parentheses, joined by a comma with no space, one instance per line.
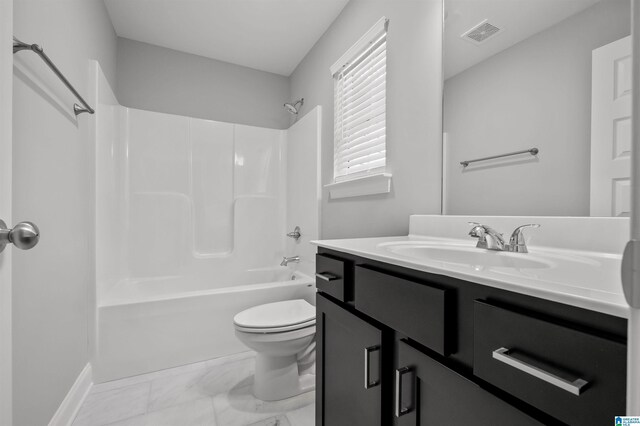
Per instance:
(360,106)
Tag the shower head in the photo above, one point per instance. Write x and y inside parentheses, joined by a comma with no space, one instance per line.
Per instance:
(293,107)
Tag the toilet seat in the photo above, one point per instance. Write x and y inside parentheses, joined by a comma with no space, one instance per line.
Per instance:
(278,336)
(276,317)
(270,330)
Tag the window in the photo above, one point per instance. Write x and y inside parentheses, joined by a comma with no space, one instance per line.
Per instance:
(360,107)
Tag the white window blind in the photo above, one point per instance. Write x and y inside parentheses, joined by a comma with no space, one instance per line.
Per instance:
(360,106)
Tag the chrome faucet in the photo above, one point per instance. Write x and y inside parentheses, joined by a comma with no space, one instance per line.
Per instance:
(490,239)
(287,260)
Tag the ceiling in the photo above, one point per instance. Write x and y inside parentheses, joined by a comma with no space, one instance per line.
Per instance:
(520,19)
(268,35)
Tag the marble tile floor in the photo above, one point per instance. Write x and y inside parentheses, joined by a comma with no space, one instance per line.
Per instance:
(213,393)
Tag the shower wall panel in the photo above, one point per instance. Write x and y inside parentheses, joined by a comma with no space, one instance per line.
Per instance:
(159,234)
(259,231)
(111,210)
(257,161)
(158,153)
(205,198)
(304,190)
(212,166)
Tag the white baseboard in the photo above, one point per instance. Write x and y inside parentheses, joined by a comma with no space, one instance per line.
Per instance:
(69,407)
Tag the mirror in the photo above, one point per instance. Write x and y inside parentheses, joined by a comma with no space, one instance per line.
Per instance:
(550,79)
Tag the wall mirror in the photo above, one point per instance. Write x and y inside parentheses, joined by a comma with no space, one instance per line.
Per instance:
(554,75)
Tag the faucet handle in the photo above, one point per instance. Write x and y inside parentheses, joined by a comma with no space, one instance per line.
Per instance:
(488,238)
(479,231)
(295,234)
(516,242)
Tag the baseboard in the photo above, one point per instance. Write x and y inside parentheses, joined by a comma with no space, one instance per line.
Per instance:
(69,407)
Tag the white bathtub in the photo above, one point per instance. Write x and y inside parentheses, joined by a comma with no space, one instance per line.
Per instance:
(150,325)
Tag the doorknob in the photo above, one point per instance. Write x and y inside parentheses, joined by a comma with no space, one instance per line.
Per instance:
(24,235)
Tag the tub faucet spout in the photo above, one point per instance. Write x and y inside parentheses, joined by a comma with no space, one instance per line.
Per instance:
(287,260)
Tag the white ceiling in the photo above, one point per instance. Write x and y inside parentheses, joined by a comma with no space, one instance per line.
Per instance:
(520,19)
(268,35)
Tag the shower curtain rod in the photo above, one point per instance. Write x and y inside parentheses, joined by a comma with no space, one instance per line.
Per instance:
(77,109)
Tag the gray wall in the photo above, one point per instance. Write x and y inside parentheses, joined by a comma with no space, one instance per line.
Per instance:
(536,93)
(414,100)
(53,169)
(164,80)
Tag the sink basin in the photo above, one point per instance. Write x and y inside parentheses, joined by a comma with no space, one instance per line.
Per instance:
(472,257)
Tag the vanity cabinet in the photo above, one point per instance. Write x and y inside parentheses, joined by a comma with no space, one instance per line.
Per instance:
(397,346)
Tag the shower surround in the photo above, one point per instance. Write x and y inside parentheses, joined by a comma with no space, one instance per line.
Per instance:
(191,217)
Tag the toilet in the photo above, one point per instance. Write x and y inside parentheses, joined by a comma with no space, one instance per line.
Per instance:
(278,332)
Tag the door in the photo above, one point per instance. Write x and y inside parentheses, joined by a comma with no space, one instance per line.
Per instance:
(6,91)
(423,389)
(348,368)
(632,285)
(611,130)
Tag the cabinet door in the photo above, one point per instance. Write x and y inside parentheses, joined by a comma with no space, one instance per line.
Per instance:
(429,394)
(348,368)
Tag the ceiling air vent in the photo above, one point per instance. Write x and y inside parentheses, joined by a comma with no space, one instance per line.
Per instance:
(481,32)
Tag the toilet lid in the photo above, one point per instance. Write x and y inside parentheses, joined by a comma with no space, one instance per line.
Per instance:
(278,314)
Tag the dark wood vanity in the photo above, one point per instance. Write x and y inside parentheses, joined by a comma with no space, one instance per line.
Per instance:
(397,346)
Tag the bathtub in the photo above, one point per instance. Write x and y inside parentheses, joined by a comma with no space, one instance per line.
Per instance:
(152,324)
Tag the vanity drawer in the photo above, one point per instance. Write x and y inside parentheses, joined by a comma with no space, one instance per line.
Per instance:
(333,277)
(574,376)
(417,310)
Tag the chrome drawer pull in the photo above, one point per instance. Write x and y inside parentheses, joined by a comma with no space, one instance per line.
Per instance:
(367,373)
(399,409)
(574,387)
(325,276)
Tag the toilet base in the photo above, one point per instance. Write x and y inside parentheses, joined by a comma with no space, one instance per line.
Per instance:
(277,378)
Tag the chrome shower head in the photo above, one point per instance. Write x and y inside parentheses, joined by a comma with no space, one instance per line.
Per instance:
(292,108)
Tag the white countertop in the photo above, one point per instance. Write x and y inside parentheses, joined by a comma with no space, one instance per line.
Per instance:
(585,279)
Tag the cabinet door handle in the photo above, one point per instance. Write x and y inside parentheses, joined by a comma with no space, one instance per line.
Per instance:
(399,409)
(368,384)
(574,387)
(325,276)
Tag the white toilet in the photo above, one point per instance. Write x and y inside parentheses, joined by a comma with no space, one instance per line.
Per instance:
(278,332)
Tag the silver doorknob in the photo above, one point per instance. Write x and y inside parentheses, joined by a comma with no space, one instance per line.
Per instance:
(24,235)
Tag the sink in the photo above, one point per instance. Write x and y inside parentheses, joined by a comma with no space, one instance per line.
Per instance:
(468,256)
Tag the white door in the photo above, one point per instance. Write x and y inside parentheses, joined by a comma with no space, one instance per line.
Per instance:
(6,90)
(611,129)
(632,286)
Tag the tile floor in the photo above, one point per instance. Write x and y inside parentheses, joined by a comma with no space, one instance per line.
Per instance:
(215,392)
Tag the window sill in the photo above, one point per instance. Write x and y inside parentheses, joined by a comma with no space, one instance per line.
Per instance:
(379,183)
